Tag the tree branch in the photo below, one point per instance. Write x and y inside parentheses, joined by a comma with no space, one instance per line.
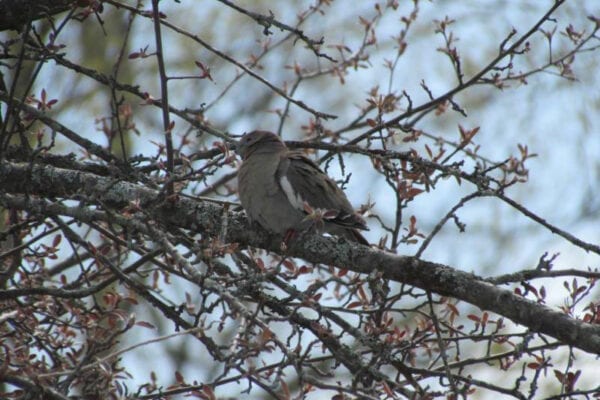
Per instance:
(16,13)
(206,218)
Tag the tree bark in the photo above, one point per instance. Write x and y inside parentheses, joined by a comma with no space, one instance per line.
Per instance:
(14,14)
(22,183)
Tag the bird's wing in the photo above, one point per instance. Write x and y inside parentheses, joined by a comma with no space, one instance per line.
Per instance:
(303,181)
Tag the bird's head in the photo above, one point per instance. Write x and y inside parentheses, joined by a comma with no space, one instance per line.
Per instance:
(258,142)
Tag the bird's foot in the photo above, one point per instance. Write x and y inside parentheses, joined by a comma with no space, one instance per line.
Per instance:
(288,238)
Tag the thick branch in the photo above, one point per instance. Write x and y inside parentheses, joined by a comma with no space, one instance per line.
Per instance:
(16,13)
(206,218)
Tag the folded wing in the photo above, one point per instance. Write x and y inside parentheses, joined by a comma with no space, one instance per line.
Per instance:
(303,181)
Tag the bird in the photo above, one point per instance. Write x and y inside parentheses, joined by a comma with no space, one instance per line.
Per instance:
(285,192)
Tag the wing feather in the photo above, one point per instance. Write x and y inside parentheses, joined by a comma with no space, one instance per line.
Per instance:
(303,181)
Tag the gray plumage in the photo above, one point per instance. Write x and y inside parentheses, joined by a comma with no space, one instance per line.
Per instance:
(275,186)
